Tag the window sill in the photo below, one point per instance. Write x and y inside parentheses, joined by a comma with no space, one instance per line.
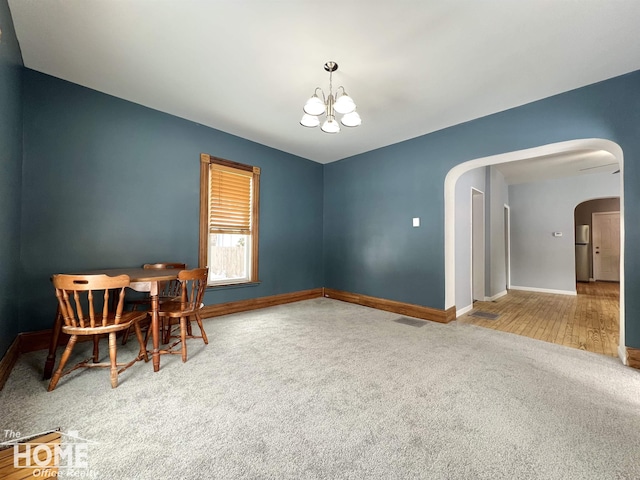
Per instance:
(233,285)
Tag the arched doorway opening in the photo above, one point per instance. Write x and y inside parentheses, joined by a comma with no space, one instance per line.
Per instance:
(532,153)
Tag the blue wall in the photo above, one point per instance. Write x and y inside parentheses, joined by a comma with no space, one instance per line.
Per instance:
(10,171)
(369,244)
(108,183)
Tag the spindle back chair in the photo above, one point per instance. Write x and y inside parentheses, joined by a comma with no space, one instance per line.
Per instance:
(86,306)
(179,312)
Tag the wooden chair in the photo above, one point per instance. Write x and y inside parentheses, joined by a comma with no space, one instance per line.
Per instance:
(92,292)
(193,284)
(166,291)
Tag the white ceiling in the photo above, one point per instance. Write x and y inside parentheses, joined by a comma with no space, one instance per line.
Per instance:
(569,164)
(247,67)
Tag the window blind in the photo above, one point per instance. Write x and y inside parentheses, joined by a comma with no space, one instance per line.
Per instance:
(229,200)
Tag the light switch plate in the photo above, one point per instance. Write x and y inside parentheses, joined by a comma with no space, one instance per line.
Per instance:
(416,222)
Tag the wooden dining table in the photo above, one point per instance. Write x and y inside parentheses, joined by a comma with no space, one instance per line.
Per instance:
(142,280)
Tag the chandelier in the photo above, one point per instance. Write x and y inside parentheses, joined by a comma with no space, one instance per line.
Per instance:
(330,105)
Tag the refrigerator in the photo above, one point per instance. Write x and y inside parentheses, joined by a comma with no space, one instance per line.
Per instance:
(582,253)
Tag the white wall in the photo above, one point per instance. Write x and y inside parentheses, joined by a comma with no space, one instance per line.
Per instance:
(538,259)
(472,179)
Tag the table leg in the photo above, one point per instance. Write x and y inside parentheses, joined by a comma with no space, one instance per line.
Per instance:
(155,330)
(53,346)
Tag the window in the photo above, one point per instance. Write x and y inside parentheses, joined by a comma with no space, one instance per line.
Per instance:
(229,204)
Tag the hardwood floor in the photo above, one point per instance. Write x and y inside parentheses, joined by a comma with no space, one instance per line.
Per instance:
(588,321)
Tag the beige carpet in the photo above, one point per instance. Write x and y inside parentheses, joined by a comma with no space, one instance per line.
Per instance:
(323,389)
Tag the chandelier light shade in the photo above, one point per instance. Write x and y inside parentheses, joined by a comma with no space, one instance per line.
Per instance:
(344,103)
(351,119)
(314,105)
(329,105)
(309,120)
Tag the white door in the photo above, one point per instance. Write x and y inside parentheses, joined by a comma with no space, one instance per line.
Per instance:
(477,244)
(606,246)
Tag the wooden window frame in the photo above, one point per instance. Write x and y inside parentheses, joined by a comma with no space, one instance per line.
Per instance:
(205,167)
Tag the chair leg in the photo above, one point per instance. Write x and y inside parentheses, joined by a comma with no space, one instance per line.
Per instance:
(63,361)
(164,330)
(142,341)
(96,348)
(204,334)
(183,337)
(147,333)
(167,332)
(113,358)
(53,345)
(125,336)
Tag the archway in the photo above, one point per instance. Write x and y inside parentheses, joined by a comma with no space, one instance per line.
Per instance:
(545,150)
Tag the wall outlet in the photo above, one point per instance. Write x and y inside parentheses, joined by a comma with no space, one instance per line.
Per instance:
(416,221)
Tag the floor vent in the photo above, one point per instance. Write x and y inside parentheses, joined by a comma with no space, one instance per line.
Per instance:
(485,315)
(410,321)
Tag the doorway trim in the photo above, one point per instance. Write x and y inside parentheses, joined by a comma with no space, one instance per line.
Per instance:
(550,149)
(478,246)
(507,246)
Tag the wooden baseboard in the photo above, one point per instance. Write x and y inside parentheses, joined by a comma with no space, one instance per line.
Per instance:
(257,303)
(417,311)
(9,360)
(34,341)
(633,357)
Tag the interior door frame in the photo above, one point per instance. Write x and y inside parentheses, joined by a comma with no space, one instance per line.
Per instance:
(507,245)
(477,250)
